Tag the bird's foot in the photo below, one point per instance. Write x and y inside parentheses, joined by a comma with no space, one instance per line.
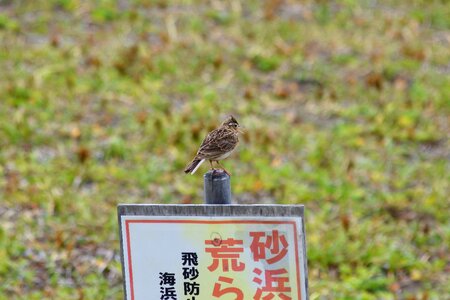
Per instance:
(226,172)
(223,169)
(220,171)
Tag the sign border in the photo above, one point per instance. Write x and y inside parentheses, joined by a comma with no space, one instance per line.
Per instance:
(208,210)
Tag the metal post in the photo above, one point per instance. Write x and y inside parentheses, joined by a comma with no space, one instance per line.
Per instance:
(217,187)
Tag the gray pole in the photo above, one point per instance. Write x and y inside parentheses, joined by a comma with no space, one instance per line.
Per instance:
(217,187)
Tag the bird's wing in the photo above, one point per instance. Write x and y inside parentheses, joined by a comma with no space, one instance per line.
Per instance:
(218,141)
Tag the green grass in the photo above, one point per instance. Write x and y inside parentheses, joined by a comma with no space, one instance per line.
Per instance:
(346,106)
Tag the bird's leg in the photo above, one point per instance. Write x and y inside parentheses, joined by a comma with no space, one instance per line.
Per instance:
(212,167)
(229,174)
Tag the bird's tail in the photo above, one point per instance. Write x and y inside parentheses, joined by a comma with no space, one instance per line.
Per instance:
(193,166)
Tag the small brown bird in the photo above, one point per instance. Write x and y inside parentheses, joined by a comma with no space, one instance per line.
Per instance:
(217,145)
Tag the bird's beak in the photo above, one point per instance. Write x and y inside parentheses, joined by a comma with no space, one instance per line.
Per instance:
(241,129)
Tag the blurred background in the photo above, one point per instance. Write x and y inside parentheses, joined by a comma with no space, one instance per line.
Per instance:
(346,109)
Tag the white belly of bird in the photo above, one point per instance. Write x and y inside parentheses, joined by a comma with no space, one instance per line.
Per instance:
(223,156)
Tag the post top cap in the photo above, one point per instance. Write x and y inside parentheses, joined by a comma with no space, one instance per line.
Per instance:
(216,174)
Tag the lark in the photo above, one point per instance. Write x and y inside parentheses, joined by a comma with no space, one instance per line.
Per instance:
(217,145)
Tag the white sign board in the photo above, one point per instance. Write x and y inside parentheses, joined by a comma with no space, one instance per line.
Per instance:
(187,253)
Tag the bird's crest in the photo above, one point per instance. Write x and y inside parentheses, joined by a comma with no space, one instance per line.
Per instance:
(230,121)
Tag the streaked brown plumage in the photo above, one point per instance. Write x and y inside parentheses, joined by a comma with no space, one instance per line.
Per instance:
(217,145)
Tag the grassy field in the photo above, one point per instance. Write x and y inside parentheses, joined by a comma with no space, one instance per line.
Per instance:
(346,106)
